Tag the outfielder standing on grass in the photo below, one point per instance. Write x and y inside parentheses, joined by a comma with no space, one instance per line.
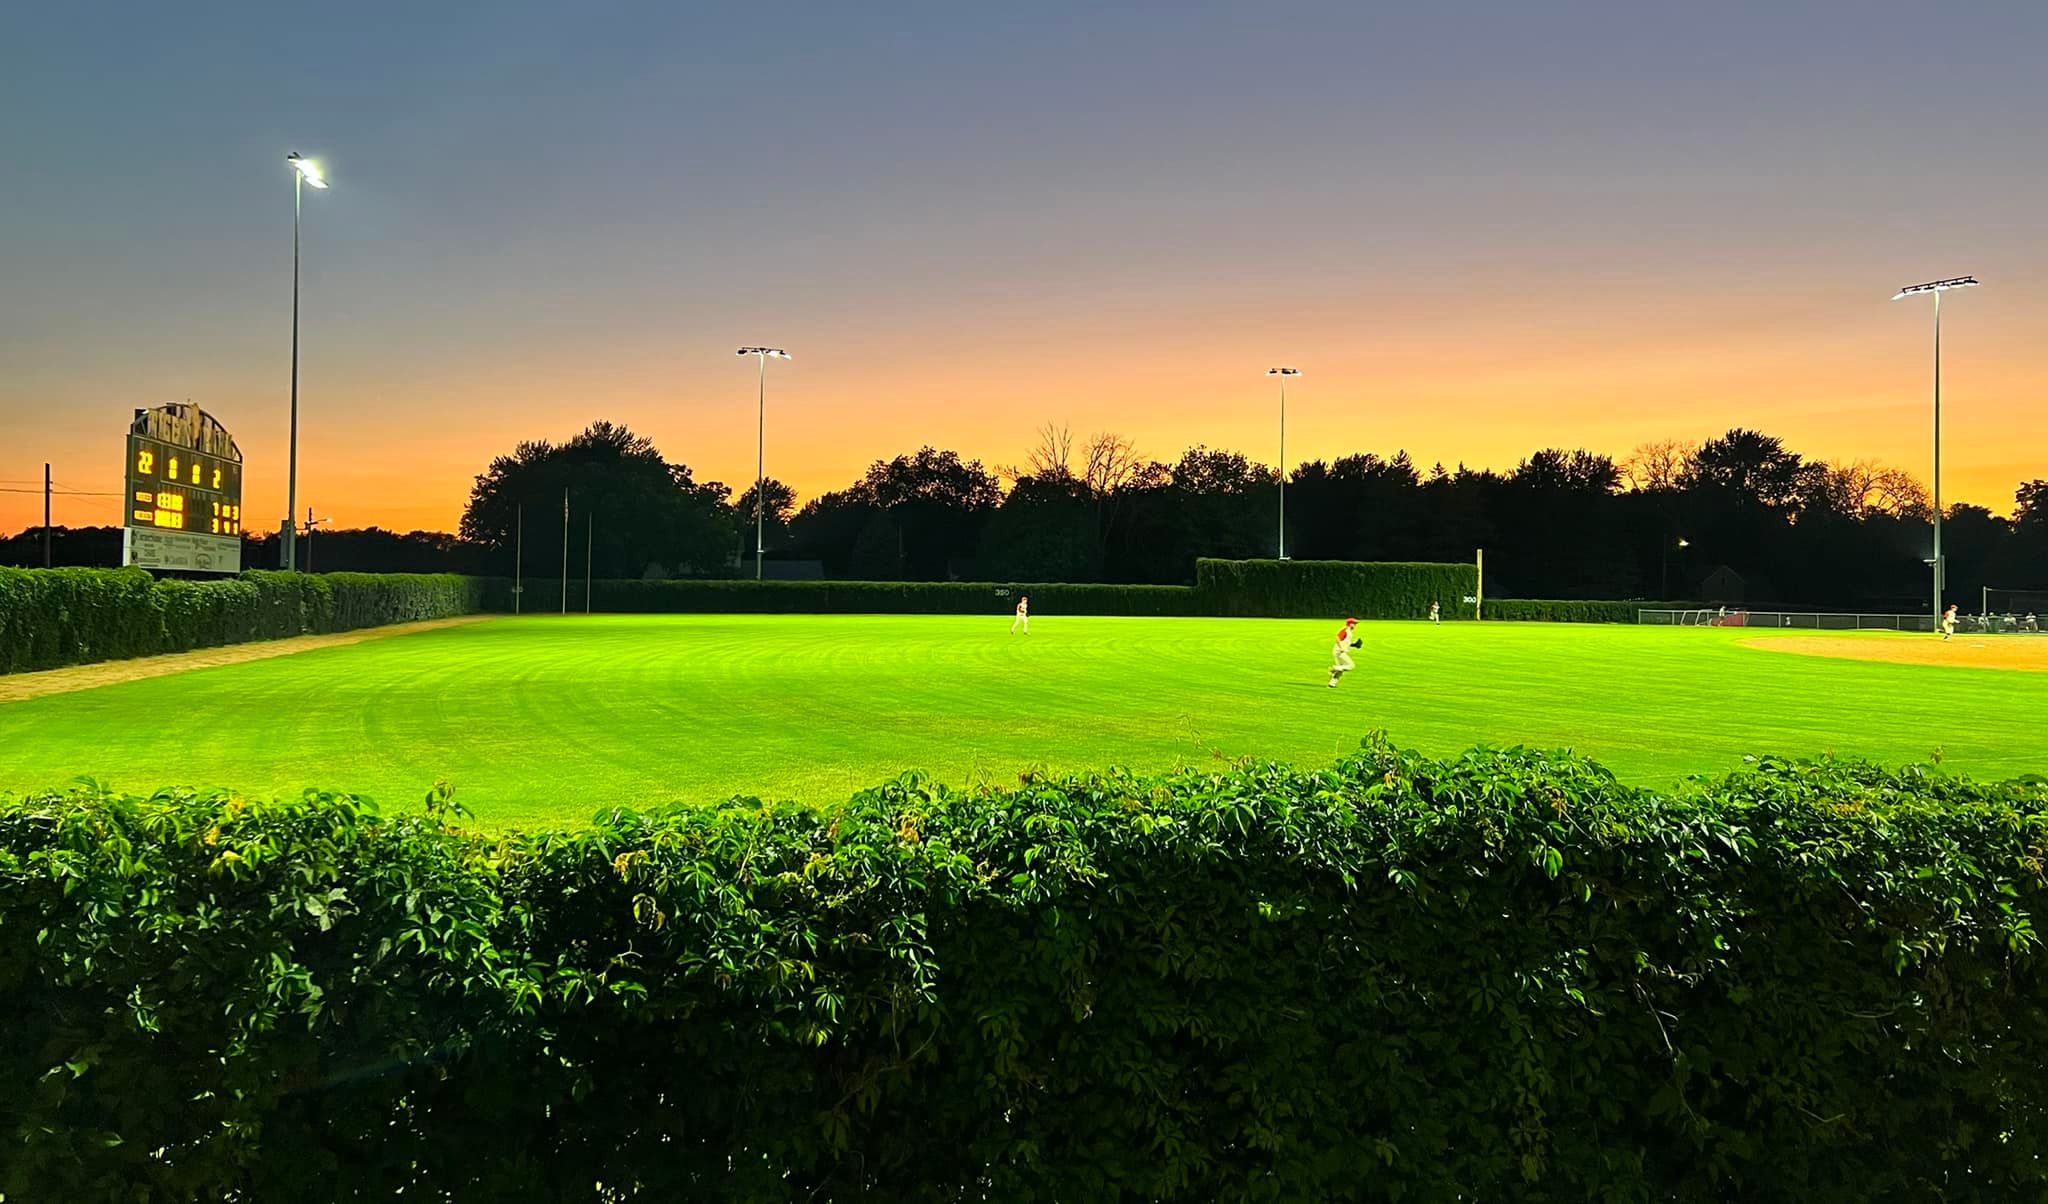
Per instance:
(1436,613)
(1023,618)
(1340,659)
(1948,621)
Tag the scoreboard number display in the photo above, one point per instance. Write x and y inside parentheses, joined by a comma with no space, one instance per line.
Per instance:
(183,507)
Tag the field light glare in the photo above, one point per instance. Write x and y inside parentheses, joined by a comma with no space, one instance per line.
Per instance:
(776,353)
(308,170)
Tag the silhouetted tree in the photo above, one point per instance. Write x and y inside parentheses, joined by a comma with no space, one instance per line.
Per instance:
(1044,531)
(645,510)
(938,503)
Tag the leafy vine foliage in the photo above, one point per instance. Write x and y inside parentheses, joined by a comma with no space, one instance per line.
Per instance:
(1497,976)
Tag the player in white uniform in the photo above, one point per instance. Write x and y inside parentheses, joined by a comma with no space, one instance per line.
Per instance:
(1948,622)
(1340,657)
(1435,613)
(1023,619)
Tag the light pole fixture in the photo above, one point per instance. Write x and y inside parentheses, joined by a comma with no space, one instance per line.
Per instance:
(762,355)
(1283,374)
(1937,287)
(1664,567)
(304,171)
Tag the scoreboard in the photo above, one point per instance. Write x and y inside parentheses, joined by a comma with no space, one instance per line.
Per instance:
(184,498)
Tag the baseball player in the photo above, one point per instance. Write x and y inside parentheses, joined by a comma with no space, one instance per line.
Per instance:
(1340,657)
(1023,619)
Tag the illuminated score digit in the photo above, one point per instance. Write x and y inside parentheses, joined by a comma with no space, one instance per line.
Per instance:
(216,478)
(145,462)
(174,468)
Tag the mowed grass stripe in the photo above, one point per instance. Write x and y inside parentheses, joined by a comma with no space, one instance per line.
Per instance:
(549,719)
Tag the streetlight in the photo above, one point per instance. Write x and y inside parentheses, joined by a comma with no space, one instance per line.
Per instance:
(1283,374)
(1937,287)
(763,355)
(304,171)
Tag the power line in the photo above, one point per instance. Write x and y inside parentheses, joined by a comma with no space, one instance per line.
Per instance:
(61,492)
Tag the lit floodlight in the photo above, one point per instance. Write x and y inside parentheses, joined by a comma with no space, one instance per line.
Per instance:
(1937,287)
(1934,286)
(308,170)
(1283,374)
(776,353)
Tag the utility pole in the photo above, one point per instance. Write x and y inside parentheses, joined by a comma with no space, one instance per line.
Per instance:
(1479,592)
(311,522)
(518,555)
(46,515)
(589,531)
(565,550)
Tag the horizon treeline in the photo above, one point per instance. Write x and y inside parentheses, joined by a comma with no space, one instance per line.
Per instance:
(1740,517)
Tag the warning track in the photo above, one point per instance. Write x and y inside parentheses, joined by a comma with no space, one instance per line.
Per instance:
(15,687)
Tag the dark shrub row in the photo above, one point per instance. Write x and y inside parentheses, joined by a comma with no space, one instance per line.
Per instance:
(1502,977)
(53,617)
(1569,610)
(878,597)
(1305,589)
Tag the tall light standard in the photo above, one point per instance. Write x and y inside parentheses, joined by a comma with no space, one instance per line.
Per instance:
(1283,374)
(763,355)
(1937,287)
(304,171)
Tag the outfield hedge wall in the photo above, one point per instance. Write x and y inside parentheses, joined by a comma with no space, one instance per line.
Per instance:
(880,597)
(1314,589)
(55,617)
(1501,976)
(1569,610)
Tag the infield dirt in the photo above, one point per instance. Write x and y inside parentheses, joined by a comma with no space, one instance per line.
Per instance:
(2022,652)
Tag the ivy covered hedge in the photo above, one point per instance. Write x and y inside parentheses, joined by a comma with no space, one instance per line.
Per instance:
(1315,589)
(1501,976)
(872,597)
(1569,610)
(55,617)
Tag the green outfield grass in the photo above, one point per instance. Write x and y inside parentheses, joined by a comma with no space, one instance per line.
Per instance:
(550,718)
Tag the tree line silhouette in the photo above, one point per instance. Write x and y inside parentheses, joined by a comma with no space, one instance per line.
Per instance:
(1740,514)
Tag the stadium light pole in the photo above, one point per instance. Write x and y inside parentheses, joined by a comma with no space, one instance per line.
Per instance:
(763,355)
(1937,287)
(304,171)
(1283,374)
(1664,583)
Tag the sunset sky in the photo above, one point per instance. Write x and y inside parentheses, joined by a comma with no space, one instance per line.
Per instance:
(1477,228)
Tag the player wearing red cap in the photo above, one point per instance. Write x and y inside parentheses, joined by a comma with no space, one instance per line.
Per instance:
(1340,659)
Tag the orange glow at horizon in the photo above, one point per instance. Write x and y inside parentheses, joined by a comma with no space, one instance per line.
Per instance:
(396,444)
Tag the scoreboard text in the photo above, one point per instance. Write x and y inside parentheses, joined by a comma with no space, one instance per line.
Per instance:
(175,488)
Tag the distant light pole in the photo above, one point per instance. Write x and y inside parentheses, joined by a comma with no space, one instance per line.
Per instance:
(1937,287)
(1283,374)
(1664,581)
(763,355)
(304,171)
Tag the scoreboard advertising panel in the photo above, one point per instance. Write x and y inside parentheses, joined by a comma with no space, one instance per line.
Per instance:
(184,500)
